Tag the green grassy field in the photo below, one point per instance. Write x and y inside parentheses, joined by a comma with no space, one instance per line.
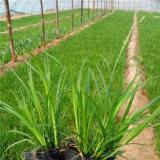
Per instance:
(30,38)
(103,39)
(150,57)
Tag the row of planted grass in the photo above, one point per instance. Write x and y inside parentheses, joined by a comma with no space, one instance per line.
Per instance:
(34,19)
(103,39)
(32,36)
(149,56)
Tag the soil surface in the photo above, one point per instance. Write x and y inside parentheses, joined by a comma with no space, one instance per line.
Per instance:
(142,147)
(23,58)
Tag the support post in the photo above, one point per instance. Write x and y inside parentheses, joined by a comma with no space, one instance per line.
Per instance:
(88,10)
(10,32)
(42,23)
(112,5)
(93,8)
(72,15)
(57,19)
(118,4)
(97,8)
(81,13)
(105,6)
(101,8)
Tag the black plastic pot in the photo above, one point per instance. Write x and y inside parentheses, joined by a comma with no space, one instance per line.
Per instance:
(56,154)
(42,156)
(28,155)
(36,155)
(52,154)
(71,154)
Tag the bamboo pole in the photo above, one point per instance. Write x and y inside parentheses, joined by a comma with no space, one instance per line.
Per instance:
(97,7)
(93,8)
(118,5)
(10,32)
(112,4)
(42,23)
(72,15)
(81,13)
(88,10)
(104,7)
(101,8)
(57,19)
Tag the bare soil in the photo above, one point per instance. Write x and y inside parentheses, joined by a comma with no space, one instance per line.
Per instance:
(142,147)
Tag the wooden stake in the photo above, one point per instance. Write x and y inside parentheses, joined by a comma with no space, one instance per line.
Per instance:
(42,22)
(72,16)
(101,9)
(93,7)
(57,19)
(81,13)
(10,32)
(88,10)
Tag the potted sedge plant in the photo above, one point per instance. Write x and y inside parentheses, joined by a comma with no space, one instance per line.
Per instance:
(98,132)
(42,114)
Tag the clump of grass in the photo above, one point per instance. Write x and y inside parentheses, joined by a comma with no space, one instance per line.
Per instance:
(98,132)
(149,57)
(40,113)
(70,54)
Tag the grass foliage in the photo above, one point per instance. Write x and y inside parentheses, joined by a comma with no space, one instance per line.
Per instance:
(92,44)
(149,57)
(30,37)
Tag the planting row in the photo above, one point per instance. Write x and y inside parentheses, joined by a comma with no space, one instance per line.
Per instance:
(64,104)
(150,56)
(31,34)
(103,39)
(76,115)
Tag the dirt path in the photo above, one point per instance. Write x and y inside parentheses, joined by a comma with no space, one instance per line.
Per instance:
(142,147)
(23,58)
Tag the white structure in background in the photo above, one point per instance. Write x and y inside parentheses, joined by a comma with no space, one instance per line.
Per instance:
(33,6)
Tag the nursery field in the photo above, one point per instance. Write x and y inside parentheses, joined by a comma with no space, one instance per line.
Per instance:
(99,46)
(150,57)
(30,35)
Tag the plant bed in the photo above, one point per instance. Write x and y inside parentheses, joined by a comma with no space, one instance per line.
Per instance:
(96,133)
